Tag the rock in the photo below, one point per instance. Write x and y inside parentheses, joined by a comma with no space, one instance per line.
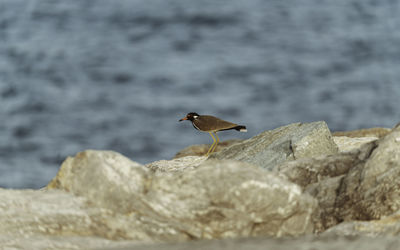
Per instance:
(361,184)
(322,177)
(107,178)
(368,132)
(294,141)
(217,199)
(325,192)
(346,144)
(176,165)
(53,219)
(373,190)
(103,199)
(222,199)
(387,226)
(201,150)
(312,170)
(324,242)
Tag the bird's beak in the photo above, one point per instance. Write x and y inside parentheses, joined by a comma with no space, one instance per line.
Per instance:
(184,118)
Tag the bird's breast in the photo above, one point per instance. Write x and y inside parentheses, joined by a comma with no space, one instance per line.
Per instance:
(195,126)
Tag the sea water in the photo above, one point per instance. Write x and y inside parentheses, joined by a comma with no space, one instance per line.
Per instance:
(118,75)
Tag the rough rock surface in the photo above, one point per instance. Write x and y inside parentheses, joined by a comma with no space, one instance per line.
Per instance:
(367,132)
(361,184)
(215,200)
(176,165)
(312,170)
(346,144)
(36,219)
(322,178)
(387,226)
(201,150)
(231,199)
(290,142)
(373,190)
(107,178)
(328,242)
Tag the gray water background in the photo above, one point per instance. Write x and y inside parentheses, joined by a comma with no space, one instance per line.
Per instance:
(117,75)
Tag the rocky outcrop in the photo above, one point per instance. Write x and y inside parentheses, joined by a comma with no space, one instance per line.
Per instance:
(287,143)
(291,181)
(217,199)
(101,196)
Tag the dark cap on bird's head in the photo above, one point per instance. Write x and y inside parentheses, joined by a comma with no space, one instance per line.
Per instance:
(190,116)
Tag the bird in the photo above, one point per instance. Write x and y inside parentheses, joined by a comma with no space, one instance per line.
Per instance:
(212,125)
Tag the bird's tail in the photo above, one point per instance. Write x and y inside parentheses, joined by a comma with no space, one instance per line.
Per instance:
(241,128)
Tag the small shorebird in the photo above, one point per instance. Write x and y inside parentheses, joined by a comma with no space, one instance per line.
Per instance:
(212,125)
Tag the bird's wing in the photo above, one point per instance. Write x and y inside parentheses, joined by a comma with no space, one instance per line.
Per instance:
(215,124)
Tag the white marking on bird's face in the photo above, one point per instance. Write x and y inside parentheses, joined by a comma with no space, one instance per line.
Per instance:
(195,116)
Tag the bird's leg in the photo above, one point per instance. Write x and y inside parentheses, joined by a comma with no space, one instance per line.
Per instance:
(212,145)
(216,144)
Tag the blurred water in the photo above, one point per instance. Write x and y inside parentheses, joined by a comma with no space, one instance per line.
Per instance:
(119,74)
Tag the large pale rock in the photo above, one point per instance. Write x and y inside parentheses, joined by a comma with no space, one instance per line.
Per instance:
(230,199)
(290,142)
(217,199)
(107,178)
(53,219)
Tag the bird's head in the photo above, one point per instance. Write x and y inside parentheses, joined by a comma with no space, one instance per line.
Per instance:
(190,116)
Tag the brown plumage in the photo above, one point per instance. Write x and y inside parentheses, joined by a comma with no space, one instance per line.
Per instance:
(212,125)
